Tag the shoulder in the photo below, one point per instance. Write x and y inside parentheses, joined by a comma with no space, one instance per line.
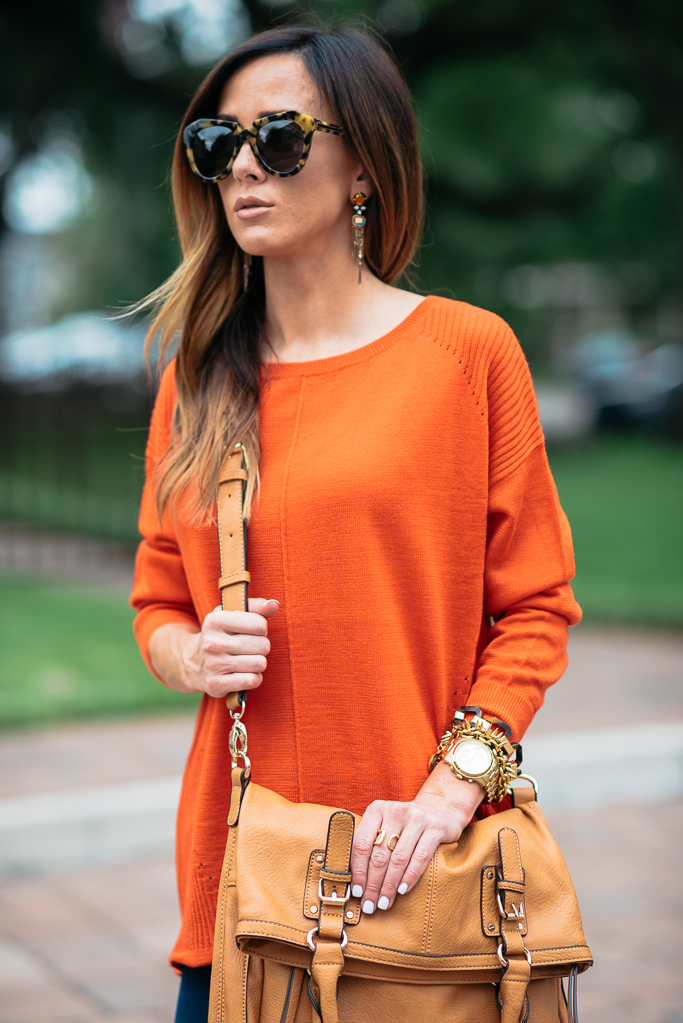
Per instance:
(471,331)
(495,370)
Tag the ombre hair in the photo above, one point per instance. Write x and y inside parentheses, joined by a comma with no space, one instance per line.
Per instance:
(204,304)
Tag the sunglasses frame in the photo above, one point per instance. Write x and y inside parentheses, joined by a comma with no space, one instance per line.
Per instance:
(309,125)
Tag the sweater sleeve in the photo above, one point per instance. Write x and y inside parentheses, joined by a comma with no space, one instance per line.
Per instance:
(529,555)
(160,590)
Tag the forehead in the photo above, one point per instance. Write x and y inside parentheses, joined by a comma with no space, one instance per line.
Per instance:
(270,84)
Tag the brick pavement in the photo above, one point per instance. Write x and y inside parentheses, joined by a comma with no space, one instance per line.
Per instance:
(91,946)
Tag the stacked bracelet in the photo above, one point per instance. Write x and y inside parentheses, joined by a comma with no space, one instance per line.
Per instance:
(501,765)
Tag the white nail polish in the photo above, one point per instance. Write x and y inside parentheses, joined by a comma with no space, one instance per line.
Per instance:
(356,891)
(383,903)
(368,907)
(402,888)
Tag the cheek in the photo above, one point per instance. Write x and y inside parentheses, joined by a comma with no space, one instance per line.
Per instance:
(313,210)
(318,195)
(224,190)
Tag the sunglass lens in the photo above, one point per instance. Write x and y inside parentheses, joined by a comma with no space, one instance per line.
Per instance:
(280,145)
(213,148)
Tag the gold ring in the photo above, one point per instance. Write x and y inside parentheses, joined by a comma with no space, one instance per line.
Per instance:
(379,838)
(391,844)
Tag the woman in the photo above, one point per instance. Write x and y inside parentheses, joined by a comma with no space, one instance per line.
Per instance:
(406,544)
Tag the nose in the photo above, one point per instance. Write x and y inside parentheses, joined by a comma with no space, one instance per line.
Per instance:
(246,167)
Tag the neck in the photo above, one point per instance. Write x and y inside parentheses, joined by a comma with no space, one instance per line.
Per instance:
(315,307)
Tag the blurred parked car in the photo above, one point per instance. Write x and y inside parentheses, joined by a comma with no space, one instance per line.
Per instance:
(632,382)
(85,348)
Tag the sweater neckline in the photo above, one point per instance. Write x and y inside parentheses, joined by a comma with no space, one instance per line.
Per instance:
(335,362)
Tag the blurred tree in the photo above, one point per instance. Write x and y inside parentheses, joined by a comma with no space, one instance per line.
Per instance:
(64,73)
(552,133)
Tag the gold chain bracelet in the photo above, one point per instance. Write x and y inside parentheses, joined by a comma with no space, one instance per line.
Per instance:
(504,752)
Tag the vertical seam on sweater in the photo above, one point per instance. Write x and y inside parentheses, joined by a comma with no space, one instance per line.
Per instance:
(285,566)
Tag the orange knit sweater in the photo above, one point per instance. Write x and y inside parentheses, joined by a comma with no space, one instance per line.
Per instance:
(405,496)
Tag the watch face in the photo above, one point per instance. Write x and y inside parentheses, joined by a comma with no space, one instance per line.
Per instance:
(472,758)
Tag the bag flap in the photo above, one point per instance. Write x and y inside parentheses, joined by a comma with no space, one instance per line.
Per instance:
(443,924)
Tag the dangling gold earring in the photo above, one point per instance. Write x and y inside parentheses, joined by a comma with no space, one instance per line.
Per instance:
(246,269)
(358,225)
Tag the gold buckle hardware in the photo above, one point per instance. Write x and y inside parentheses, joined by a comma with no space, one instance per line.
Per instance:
(334,899)
(240,447)
(237,742)
(517,911)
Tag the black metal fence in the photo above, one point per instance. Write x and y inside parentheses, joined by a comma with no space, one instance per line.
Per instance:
(72,459)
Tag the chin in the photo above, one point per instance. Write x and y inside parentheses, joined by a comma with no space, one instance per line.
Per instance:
(262,243)
(254,239)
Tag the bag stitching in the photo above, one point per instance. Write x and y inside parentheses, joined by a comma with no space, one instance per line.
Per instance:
(386,948)
(432,900)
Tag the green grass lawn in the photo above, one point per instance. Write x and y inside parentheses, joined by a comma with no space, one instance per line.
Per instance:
(624,500)
(68,650)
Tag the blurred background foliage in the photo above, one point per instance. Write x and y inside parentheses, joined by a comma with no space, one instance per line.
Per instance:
(552,140)
(551,135)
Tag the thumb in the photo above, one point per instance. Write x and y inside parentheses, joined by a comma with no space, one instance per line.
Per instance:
(266,608)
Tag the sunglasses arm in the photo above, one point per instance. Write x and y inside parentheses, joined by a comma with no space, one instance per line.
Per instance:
(330,129)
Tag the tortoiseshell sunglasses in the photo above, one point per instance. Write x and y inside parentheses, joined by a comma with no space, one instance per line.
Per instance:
(280,142)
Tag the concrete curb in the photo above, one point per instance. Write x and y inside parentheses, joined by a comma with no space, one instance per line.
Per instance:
(91,826)
(593,768)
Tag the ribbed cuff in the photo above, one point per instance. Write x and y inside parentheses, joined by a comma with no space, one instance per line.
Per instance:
(504,702)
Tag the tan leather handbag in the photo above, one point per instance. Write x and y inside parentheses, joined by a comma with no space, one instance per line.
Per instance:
(486,935)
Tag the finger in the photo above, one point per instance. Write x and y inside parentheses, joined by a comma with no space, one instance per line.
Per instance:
(377,868)
(400,858)
(424,850)
(220,685)
(366,832)
(254,664)
(266,608)
(237,622)
(221,645)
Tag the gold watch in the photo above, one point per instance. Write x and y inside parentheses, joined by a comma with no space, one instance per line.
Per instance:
(476,751)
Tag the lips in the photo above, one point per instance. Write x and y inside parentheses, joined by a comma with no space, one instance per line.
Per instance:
(246,202)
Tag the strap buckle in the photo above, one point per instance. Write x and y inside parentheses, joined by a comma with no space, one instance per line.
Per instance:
(312,944)
(517,911)
(334,899)
(505,963)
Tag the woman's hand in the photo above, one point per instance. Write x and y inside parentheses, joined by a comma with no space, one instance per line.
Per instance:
(442,808)
(227,655)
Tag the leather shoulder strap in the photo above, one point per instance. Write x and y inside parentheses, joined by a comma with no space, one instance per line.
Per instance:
(232,539)
(232,532)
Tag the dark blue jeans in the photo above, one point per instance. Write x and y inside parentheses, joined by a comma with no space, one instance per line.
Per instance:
(193,997)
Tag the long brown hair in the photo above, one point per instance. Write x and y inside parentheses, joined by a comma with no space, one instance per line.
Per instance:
(219,324)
